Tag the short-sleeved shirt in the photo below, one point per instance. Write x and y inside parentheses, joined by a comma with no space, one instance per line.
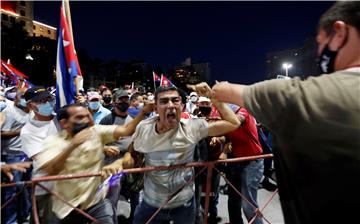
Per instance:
(87,157)
(175,146)
(32,137)
(100,114)
(245,140)
(316,123)
(15,119)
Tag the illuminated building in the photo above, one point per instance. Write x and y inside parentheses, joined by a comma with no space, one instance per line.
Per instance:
(22,12)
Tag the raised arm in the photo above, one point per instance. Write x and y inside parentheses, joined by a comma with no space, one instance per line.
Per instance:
(229,93)
(229,120)
(129,128)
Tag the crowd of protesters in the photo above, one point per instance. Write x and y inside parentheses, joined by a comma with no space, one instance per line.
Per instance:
(96,133)
(315,123)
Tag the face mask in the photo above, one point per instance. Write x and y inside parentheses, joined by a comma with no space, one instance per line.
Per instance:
(2,93)
(193,99)
(326,60)
(94,105)
(205,110)
(11,96)
(2,105)
(77,127)
(23,103)
(122,106)
(141,105)
(45,109)
(107,99)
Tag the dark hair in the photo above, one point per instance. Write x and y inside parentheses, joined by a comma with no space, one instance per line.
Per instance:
(162,89)
(183,94)
(346,11)
(134,96)
(63,112)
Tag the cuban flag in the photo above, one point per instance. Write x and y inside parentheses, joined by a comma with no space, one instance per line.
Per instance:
(166,82)
(9,72)
(67,64)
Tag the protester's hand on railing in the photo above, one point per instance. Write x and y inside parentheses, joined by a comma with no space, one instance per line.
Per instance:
(111,150)
(7,168)
(111,169)
(202,89)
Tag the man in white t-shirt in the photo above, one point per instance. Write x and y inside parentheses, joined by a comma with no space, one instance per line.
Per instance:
(33,134)
(15,118)
(167,140)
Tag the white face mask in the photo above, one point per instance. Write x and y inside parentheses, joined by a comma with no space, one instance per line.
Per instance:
(193,99)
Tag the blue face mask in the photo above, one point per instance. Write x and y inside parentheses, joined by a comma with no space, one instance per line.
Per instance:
(45,109)
(94,105)
(2,105)
(23,103)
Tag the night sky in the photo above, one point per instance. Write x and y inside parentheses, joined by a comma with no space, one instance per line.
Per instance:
(233,37)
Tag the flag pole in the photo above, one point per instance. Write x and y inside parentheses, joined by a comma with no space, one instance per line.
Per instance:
(154,81)
(66,5)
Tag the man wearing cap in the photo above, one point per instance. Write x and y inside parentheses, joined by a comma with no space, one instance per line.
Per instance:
(16,117)
(32,135)
(191,105)
(119,116)
(96,109)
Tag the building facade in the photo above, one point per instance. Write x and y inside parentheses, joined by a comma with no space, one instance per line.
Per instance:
(22,12)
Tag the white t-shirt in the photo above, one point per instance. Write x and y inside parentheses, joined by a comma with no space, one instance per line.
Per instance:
(15,119)
(32,136)
(175,146)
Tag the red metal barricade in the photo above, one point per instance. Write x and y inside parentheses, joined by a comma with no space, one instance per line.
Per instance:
(210,166)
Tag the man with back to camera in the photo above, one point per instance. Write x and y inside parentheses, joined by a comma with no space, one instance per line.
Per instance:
(316,124)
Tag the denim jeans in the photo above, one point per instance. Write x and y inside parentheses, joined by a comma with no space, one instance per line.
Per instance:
(19,209)
(179,215)
(245,176)
(102,211)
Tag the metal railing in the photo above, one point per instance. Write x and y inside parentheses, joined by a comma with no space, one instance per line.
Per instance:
(210,166)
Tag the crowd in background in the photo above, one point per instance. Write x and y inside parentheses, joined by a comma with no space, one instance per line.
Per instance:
(28,118)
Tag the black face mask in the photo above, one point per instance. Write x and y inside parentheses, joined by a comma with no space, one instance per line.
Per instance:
(326,60)
(107,99)
(122,106)
(77,127)
(205,110)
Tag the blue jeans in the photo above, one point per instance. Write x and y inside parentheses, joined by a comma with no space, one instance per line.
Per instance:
(179,215)
(245,176)
(19,209)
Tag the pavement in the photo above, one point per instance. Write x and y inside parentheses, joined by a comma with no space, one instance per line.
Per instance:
(272,211)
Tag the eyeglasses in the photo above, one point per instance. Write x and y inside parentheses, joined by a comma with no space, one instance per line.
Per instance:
(174,100)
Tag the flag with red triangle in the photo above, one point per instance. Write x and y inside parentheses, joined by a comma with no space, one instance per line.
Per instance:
(166,82)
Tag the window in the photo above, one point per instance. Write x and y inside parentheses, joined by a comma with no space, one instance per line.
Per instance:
(22,3)
(4,17)
(22,12)
(48,31)
(12,19)
(34,27)
(22,22)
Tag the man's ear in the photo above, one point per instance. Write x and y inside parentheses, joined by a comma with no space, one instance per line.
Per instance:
(32,107)
(63,123)
(340,35)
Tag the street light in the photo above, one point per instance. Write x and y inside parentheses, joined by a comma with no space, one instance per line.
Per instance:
(286,66)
